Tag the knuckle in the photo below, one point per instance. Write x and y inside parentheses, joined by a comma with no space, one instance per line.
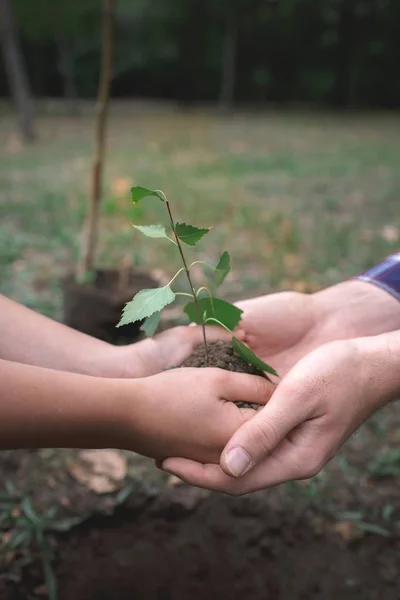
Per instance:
(220,376)
(310,467)
(264,435)
(183,331)
(263,388)
(309,392)
(234,491)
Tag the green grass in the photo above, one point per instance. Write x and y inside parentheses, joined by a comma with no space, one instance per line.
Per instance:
(300,201)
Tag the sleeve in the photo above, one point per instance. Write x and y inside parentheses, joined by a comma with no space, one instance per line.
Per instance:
(385,275)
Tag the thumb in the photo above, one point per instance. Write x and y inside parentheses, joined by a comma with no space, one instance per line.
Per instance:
(260,436)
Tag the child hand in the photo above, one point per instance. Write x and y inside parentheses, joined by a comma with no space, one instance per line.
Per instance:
(190,412)
(167,349)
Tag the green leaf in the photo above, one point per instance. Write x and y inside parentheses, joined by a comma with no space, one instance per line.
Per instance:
(228,314)
(248,355)
(146,303)
(138,193)
(124,494)
(373,528)
(18,539)
(151,323)
(30,511)
(222,269)
(189,234)
(152,231)
(65,525)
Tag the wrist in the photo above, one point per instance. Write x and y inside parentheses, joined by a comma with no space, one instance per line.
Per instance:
(119,362)
(138,426)
(354,309)
(113,414)
(380,366)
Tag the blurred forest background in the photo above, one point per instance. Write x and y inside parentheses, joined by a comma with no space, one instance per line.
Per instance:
(307,160)
(341,53)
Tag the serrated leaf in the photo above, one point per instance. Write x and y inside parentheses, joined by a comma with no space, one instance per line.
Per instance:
(152,231)
(151,323)
(248,355)
(138,193)
(222,269)
(189,234)
(146,303)
(228,314)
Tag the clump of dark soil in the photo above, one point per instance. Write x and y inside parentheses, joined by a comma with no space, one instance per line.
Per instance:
(222,356)
(94,307)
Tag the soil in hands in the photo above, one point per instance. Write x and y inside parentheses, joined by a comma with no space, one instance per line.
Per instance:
(222,356)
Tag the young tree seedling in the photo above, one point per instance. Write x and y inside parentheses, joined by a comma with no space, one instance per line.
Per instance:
(147,305)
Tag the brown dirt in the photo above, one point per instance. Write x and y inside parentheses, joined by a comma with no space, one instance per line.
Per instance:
(192,544)
(95,307)
(222,356)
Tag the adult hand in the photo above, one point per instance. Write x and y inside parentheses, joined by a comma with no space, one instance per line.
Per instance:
(282,328)
(315,408)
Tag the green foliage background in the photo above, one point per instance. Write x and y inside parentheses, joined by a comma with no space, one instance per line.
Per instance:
(330,52)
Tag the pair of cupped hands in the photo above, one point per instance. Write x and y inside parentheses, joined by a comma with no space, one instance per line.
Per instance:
(321,347)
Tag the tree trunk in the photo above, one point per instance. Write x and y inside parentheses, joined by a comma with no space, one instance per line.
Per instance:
(229,51)
(344,56)
(91,225)
(16,72)
(66,65)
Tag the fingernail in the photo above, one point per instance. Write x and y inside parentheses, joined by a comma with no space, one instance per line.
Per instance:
(238,461)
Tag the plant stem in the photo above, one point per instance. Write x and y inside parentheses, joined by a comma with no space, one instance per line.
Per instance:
(211,319)
(178,243)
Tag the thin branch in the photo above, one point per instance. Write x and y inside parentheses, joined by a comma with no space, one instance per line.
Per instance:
(202,262)
(207,290)
(175,276)
(218,323)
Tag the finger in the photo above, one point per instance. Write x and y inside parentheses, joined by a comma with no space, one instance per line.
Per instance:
(240,387)
(258,438)
(249,303)
(208,476)
(270,473)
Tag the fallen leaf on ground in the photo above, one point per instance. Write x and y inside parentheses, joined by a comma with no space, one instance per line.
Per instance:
(101,471)
(347,530)
(390,233)
(239,147)
(40,590)
(121,186)
(14,144)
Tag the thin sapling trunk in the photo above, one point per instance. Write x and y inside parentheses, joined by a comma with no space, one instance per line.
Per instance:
(91,225)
